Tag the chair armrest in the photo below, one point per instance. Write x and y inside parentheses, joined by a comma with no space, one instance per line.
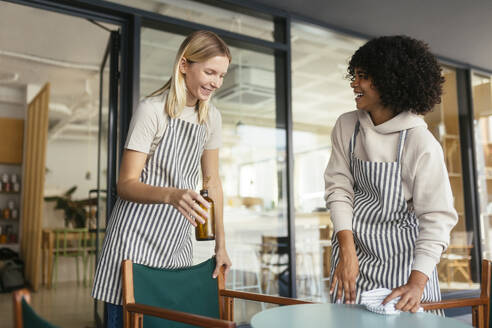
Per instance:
(184,317)
(455,303)
(17,297)
(262,298)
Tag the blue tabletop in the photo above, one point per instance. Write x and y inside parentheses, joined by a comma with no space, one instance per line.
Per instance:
(344,315)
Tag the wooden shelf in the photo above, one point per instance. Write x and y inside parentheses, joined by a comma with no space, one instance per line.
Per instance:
(3,220)
(454,175)
(10,192)
(13,246)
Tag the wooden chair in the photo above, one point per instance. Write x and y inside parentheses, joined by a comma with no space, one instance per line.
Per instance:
(480,305)
(24,315)
(187,295)
(69,243)
(274,259)
(456,260)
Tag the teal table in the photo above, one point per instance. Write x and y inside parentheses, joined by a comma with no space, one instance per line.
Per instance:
(344,315)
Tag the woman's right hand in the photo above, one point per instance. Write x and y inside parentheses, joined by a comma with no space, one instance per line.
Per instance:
(187,201)
(347,269)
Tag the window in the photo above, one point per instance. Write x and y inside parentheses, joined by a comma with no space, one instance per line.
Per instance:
(482,108)
(320,94)
(252,162)
(454,268)
(198,12)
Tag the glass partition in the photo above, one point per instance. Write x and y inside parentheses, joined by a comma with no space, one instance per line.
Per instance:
(482,123)
(320,94)
(258,26)
(454,268)
(252,166)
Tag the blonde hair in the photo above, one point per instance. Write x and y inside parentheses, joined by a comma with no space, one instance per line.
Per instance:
(198,47)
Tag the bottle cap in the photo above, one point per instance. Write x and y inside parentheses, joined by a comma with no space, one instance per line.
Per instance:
(204,192)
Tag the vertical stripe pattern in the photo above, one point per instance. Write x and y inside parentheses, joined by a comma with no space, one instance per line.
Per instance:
(156,235)
(385,229)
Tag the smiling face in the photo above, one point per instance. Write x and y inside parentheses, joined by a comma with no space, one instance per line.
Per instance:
(203,78)
(366,96)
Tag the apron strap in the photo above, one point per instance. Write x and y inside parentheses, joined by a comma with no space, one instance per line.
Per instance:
(401,142)
(403,135)
(352,140)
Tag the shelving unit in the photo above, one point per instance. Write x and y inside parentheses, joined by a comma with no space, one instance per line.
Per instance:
(4,198)
(12,116)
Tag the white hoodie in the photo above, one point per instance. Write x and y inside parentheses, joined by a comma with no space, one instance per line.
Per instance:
(424,177)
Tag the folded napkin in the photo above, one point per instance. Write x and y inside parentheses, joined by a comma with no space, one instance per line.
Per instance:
(372,299)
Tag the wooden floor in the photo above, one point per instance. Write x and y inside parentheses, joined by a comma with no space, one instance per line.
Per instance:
(68,305)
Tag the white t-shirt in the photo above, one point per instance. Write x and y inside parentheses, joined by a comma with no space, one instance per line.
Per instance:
(150,120)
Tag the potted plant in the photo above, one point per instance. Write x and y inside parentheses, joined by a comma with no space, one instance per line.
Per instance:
(75,210)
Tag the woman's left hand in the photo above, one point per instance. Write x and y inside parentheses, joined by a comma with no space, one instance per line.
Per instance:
(222,259)
(410,293)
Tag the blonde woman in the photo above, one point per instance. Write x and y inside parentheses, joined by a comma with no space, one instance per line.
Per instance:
(173,133)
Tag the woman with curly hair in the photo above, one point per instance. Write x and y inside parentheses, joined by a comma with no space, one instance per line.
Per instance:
(387,186)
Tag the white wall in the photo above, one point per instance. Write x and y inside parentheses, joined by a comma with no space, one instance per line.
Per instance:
(70,163)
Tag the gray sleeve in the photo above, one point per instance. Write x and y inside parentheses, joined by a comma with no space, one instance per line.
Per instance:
(339,193)
(433,203)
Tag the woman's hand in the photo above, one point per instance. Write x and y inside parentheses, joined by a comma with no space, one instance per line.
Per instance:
(186,201)
(222,259)
(410,293)
(346,274)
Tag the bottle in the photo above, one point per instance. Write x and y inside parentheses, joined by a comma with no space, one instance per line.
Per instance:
(14,212)
(3,236)
(6,183)
(14,181)
(6,213)
(7,234)
(206,231)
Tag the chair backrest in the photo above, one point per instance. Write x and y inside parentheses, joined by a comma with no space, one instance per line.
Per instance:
(486,288)
(480,305)
(71,242)
(191,290)
(24,315)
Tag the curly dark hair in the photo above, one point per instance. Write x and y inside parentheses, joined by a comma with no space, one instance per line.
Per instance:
(403,70)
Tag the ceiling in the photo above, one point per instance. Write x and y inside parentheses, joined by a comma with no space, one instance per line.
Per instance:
(455,29)
(39,46)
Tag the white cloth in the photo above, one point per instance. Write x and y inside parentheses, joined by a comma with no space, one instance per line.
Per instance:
(150,119)
(372,300)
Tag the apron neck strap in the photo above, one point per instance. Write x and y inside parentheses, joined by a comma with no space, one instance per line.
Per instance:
(354,136)
(401,141)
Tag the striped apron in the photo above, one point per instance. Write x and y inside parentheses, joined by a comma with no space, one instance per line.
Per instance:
(156,235)
(385,229)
